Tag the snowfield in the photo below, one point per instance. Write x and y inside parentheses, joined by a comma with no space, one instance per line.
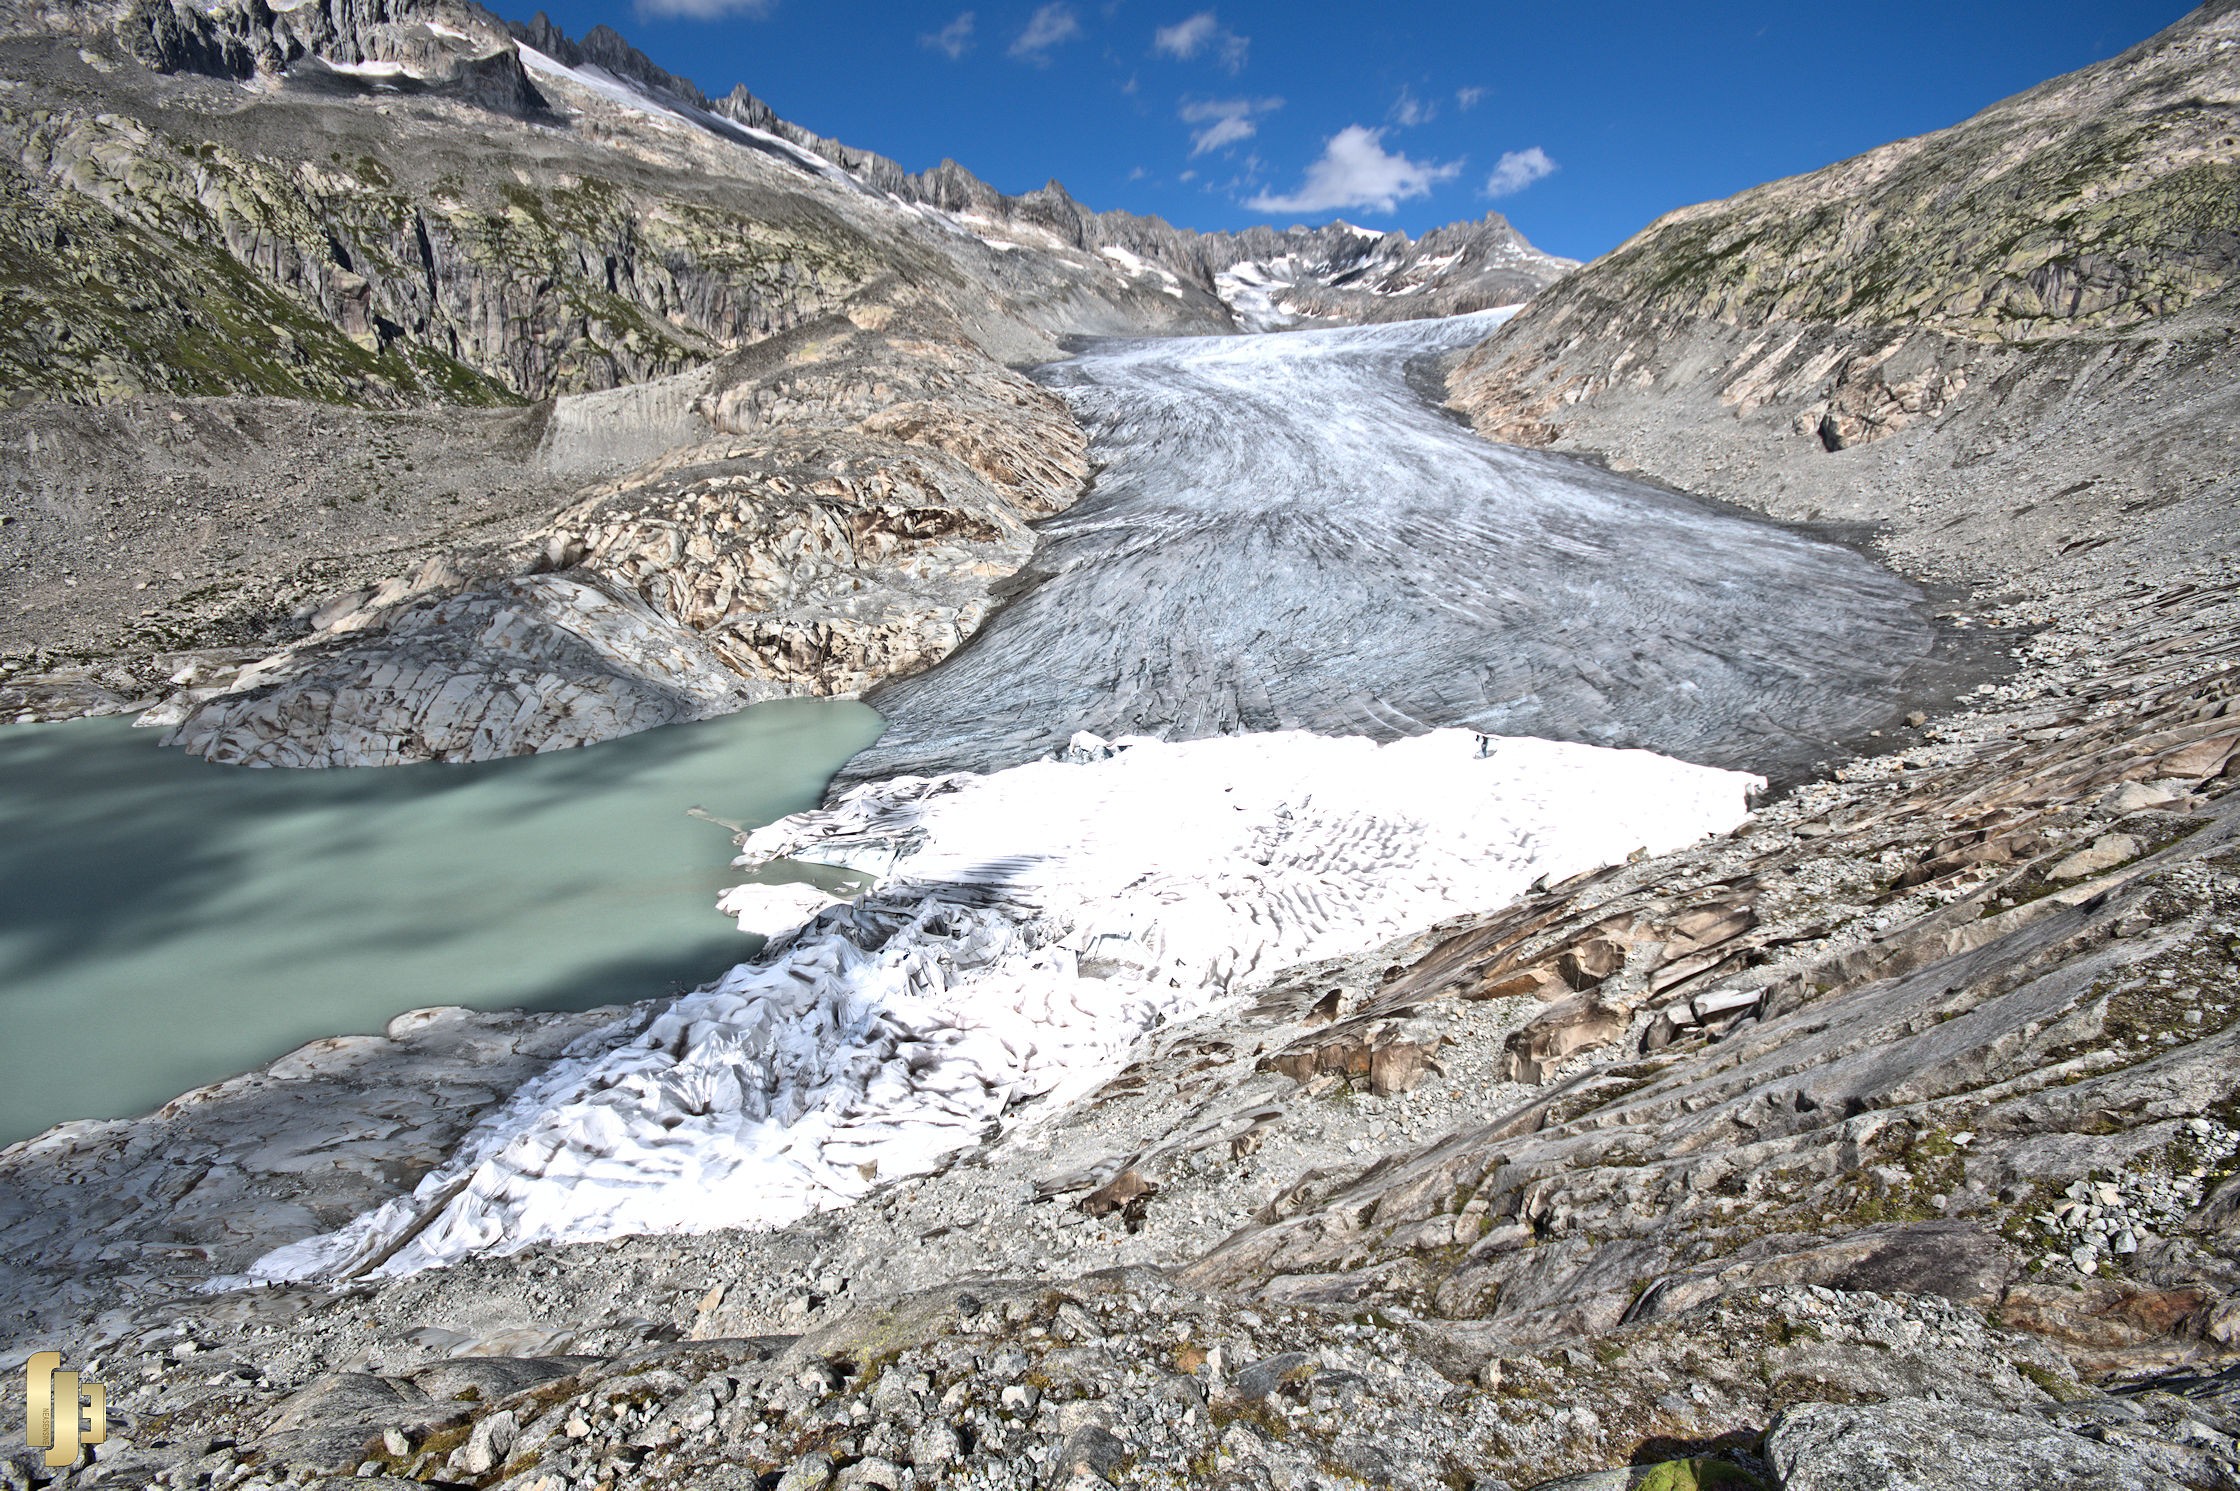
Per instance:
(1031,926)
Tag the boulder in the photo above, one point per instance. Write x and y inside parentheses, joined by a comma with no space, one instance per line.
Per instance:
(1915,1444)
(2103,853)
(1567,1026)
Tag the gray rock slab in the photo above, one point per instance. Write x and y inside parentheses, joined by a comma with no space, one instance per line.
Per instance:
(1915,1444)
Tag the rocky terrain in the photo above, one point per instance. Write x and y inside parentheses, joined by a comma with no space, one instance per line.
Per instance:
(289,312)
(1891,1131)
(2009,342)
(844,455)
(1892,1140)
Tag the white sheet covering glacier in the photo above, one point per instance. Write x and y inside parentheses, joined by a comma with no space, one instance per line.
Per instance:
(1028,928)
(1285,536)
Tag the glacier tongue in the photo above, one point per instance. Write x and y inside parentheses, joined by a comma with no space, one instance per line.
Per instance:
(1032,926)
(1284,535)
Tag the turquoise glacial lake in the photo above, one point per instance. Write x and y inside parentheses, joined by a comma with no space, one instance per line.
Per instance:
(166,923)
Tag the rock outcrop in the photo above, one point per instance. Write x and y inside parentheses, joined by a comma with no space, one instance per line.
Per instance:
(227,263)
(841,502)
(1870,296)
(1900,1099)
(446,47)
(536,664)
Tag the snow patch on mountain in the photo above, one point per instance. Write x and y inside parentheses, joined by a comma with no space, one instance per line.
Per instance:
(1031,926)
(666,109)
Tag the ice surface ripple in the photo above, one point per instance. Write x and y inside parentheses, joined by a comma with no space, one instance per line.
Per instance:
(1285,536)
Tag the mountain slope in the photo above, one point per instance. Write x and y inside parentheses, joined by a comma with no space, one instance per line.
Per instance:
(2020,326)
(1890,1141)
(339,157)
(407,205)
(212,218)
(375,256)
(1335,272)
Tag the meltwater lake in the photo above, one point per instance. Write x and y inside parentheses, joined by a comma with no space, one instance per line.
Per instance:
(166,923)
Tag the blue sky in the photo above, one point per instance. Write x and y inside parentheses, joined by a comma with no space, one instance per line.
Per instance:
(1580,122)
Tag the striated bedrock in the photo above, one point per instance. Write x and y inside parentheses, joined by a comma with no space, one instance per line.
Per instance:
(834,507)
(2005,1078)
(535,664)
(2020,327)
(1809,1302)
(863,490)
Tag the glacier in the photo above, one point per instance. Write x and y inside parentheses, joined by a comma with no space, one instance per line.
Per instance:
(1312,668)
(1283,535)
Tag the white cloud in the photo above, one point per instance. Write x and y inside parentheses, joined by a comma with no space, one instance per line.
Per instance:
(704,10)
(1202,32)
(1053,25)
(1357,171)
(1184,38)
(1408,111)
(1223,121)
(1518,169)
(1467,99)
(1222,132)
(952,40)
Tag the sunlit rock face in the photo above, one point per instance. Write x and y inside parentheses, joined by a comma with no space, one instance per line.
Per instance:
(1285,536)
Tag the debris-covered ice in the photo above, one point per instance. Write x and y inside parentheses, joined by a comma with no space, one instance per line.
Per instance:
(1028,928)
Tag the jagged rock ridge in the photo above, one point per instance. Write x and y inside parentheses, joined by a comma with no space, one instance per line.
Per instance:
(749,314)
(1336,271)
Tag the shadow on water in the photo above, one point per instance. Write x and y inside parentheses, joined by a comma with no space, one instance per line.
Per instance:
(165,923)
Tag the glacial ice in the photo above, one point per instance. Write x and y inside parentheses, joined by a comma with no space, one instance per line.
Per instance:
(1030,927)
(1285,536)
